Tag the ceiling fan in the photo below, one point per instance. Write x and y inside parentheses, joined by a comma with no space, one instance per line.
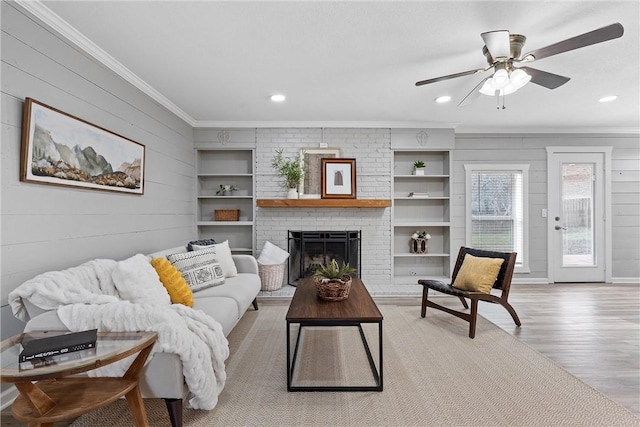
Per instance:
(503,52)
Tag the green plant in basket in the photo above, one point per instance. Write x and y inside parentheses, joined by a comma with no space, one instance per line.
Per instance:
(333,271)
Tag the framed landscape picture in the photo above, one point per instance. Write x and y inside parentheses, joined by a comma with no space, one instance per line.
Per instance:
(60,149)
(338,178)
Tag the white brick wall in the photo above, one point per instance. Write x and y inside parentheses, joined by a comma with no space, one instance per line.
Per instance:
(372,150)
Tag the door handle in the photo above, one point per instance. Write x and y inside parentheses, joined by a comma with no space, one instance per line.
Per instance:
(560,228)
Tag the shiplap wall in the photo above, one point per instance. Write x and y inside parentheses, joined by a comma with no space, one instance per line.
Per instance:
(49,228)
(530,149)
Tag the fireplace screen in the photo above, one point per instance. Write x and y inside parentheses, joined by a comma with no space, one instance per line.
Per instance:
(309,249)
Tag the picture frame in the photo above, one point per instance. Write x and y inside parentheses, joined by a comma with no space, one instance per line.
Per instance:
(311,184)
(338,178)
(61,149)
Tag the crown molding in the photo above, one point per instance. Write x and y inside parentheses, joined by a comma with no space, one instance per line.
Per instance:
(55,22)
(323,124)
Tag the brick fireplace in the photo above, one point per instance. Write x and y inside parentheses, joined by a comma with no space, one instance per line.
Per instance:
(310,249)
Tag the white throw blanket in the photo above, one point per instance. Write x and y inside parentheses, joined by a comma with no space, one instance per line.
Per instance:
(86,298)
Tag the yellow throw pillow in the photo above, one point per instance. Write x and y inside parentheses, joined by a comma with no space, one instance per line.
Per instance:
(478,274)
(179,291)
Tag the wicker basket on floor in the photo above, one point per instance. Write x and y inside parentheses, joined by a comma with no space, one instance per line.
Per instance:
(226,214)
(271,276)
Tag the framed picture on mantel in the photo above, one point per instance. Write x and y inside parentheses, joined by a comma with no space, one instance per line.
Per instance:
(338,178)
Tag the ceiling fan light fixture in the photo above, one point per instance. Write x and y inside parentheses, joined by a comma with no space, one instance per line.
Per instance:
(443,99)
(487,88)
(519,78)
(500,79)
(278,97)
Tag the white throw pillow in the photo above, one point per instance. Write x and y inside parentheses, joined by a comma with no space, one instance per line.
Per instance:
(272,254)
(137,281)
(199,268)
(223,254)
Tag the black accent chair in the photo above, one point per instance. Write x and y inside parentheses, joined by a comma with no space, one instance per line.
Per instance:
(502,283)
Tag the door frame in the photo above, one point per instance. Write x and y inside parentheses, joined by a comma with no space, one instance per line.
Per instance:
(606,152)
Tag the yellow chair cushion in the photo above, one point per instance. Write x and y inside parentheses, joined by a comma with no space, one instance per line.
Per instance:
(174,283)
(478,274)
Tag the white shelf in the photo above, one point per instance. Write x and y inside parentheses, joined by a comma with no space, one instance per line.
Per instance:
(431,214)
(422,224)
(413,280)
(222,166)
(422,199)
(214,175)
(226,197)
(409,255)
(421,176)
(225,223)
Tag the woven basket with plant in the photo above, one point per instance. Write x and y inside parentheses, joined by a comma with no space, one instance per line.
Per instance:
(333,281)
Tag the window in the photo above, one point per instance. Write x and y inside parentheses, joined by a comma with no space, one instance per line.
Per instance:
(497,209)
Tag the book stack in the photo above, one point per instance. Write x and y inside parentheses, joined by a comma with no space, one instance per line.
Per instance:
(418,195)
(46,348)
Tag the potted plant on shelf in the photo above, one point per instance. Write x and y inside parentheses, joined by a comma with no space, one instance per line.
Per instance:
(333,281)
(418,167)
(418,244)
(225,190)
(289,169)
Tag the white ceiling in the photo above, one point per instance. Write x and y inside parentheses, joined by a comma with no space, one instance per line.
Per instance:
(355,63)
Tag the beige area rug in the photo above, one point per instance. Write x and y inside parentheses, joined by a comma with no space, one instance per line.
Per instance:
(434,375)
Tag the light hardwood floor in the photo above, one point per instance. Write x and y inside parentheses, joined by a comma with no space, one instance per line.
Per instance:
(591,330)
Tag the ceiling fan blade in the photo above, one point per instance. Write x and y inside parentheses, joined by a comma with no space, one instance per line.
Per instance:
(450,76)
(497,43)
(473,95)
(543,78)
(600,35)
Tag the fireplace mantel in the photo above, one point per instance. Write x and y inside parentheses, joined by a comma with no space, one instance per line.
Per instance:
(323,203)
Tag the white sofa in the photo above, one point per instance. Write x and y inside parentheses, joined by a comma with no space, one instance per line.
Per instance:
(162,376)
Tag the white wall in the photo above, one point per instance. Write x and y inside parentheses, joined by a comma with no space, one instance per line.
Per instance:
(530,149)
(48,228)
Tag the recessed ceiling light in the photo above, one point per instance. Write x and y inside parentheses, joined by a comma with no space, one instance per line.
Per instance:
(278,98)
(608,98)
(443,99)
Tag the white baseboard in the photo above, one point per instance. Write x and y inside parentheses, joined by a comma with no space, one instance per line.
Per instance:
(8,396)
(635,280)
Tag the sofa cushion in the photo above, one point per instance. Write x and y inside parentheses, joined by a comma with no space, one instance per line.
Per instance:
(178,289)
(201,242)
(163,253)
(138,282)
(223,309)
(200,269)
(224,257)
(243,289)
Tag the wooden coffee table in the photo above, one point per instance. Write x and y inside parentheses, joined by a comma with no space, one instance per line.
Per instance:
(51,393)
(307,309)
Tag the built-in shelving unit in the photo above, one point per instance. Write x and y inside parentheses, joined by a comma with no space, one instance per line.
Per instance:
(215,167)
(428,211)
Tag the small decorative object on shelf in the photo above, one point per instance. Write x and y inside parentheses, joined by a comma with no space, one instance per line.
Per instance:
(226,214)
(418,195)
(225,190)
(419,242)
(418,167)
(290,170)
(333,282)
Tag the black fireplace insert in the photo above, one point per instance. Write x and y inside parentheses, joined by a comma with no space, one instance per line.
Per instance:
(309,249)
